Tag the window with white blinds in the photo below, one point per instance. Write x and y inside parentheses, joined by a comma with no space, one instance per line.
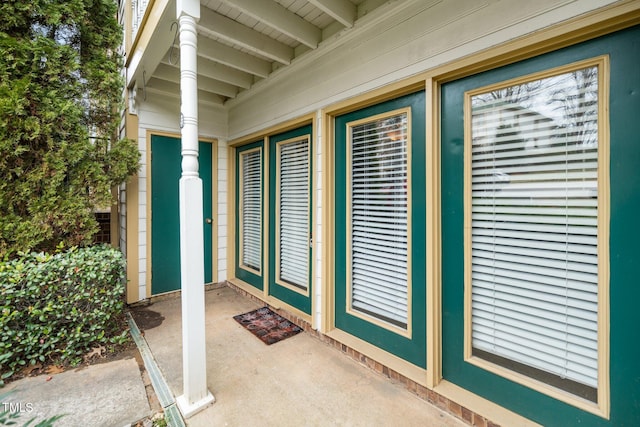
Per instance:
(251,209)
(379,223)
(293,212)
(534,228)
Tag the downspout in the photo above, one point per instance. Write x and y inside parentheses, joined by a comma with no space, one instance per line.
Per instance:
(195,395)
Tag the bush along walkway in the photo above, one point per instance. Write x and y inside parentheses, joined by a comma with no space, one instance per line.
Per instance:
(66,345)
(56,308)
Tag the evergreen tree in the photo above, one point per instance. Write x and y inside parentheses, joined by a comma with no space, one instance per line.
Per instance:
(60,103)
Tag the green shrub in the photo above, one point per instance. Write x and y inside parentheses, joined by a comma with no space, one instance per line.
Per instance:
(60,109)
(54,308)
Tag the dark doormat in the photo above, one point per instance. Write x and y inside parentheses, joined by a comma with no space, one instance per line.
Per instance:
(270,327)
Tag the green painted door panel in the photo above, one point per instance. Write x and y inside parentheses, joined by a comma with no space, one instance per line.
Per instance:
(205,159)
(165,220)
(252,277)
(623,49)
(296,299)
(413,348)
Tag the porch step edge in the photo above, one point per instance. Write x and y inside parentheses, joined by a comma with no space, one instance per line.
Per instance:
(160,386)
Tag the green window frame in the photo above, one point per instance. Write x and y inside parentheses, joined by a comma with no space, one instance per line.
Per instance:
(366,195)
(535,178)
(618,371)
(293,220)
(378,193)
(249,211)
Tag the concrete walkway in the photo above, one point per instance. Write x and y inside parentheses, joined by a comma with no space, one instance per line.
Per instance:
(110,394)
(300,381)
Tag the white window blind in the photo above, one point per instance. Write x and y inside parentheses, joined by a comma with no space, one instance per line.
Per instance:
(293,205)
(251,214)
(379,220)
(534,194)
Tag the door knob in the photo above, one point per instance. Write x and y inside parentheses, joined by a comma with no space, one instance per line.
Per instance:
(209,221)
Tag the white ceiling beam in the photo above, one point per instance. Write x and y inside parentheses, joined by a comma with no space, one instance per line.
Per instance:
(172,74)
(224,74)
(233,58)
(218,26)
(167,73)
(342,11)
(279,18)
(172,90)
(219,72)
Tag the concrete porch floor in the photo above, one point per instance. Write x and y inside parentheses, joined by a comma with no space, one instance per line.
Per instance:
(300,381)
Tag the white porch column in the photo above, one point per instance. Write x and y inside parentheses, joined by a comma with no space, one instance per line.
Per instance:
(195,395)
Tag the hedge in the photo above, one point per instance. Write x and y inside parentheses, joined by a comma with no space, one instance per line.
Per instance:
(55,307)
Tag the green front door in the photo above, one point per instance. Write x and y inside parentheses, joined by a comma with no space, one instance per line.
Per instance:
(165,220)
(380,278)
(539,287)
(291,217)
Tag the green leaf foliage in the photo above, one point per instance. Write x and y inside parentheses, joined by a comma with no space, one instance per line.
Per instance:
(60,103)
(55,307)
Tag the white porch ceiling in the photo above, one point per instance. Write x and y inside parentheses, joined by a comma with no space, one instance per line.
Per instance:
(241,42)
